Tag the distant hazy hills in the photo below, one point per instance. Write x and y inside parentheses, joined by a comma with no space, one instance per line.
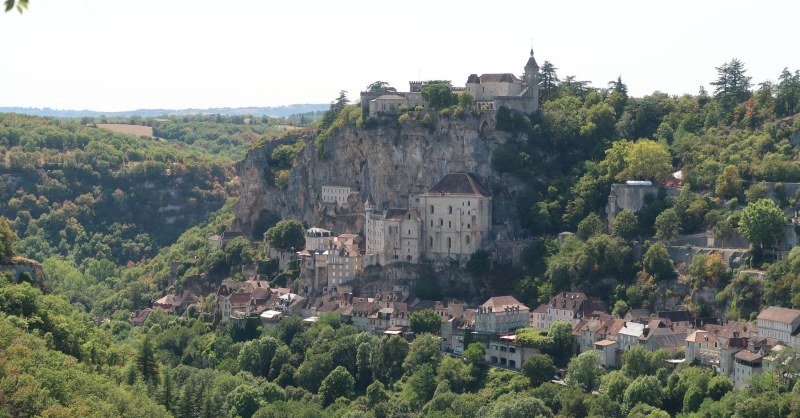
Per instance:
(225,111)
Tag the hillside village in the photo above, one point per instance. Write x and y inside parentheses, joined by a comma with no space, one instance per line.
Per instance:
(445,227)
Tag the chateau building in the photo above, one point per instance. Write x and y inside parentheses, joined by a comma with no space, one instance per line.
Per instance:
(452,221)
(392,236)
(491,92)
(456,217)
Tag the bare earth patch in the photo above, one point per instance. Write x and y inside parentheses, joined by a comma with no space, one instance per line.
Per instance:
(136,130)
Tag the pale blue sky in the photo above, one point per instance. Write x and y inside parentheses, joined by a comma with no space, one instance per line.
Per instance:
(124,54)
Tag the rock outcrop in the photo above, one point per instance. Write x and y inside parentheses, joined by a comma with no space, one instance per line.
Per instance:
(393,162)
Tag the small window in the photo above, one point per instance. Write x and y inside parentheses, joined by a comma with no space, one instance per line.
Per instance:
(449,243)
(449,209)
(466,240)
(431,242)
(512,350)
(468,202)
(441,222)
(449,224)
(431,208)
(469,226)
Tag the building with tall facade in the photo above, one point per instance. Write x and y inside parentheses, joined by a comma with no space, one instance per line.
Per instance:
(456,217)
(452,221)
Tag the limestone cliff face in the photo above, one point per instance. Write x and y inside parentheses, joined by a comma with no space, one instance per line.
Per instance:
(392,162)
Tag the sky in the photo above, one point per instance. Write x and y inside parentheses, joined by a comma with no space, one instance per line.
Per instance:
(114,55)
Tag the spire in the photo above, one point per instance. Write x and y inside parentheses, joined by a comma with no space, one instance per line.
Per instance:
(531,62)
(369,202)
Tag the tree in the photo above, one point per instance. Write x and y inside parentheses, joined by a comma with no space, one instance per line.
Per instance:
(363,366)
(20,5)
(455,372)
(167,395)
(425,321)
(584,371)
(538,368)
(516,406)
(614,384)
(561,334)
(475,354)
(243,401)
(439,94)
(644,389)
(718,386)
(762,223)
(287,235)
(480,263)
(625,225)
(146,361)
(381,87)
(591,225)
(466,100)
(387,358)
(787,99)
(420,386)
(636,362)
(424,350)
(668,224)
(729,184)
(732,85)
(339,383)
(8,239)
(376,393)
(255,356)
(657,263)
(646,160)
(548,84)
(620,308)
(333,112)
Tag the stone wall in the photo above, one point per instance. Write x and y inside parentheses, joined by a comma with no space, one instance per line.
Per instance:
(633,197)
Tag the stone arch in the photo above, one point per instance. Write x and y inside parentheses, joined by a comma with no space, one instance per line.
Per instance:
(485,128)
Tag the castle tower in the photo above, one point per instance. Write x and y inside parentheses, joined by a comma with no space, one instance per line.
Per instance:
(532,80)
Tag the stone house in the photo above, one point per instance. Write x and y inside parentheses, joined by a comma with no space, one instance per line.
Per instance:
(501,314)
(780,323)
(567,306)
(175,304)
(336,193)
(503,351)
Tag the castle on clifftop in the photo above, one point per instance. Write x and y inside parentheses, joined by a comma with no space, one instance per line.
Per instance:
(491,92)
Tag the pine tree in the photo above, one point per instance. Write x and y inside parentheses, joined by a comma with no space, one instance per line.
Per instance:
(167,395)
(146,361)
(732,85)
(549,81)
(787,100)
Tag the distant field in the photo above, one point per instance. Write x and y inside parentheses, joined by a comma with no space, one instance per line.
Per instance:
(136,130)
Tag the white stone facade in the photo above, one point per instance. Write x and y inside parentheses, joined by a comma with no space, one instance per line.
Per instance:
(335,193)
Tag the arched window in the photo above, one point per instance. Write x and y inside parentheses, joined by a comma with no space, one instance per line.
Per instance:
(431,244)
(450,209)
(441,222)
(466,240)
(449,243)
(449,224)
(431,208)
